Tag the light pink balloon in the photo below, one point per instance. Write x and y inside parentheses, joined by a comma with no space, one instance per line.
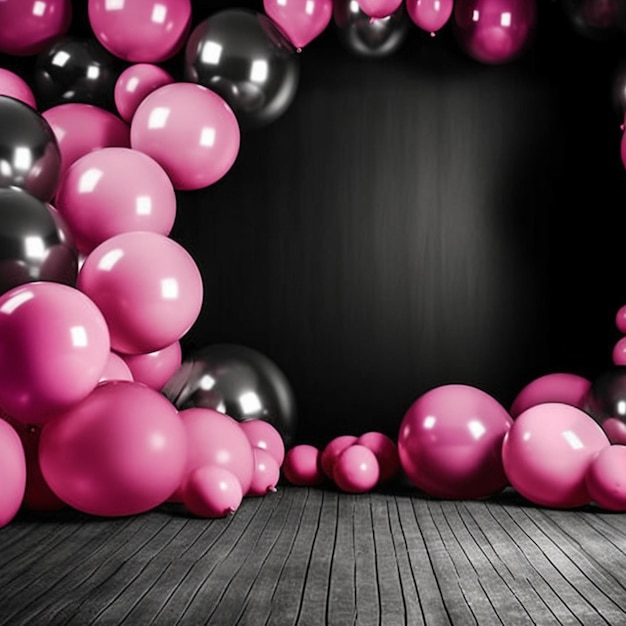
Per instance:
(262,434)
(301,20)
(618,354)
(13,85)
(555,387)
(606,478)
(302,465)
(378,9)
(356,469)
(121,451)
(386,452)
(547,452)
(135,83)
(211,491)
(332,450)
(12,472)
(190,130)
(28,27)
(450,441)
(148,288)
(54,345)
(112,191)
(116,369)
(155,368)
(430,15)
(266,473)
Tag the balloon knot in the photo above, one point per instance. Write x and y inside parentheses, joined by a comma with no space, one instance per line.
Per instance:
(433,33)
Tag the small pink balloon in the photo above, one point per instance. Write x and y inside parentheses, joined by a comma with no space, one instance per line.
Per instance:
(148,288)
(54,346)
(141,30)
(121,451)
(555,387)
(211,491)
(116,369)
(266,473)
(13,85)
(332,450)
(135,83)
(615,430)
(262,434)
(547,452)
(386,453)
(356,469)
(379,9)
(620,319)
(302,22)
(155,368)
(112,191)
(302,465)
(190,130)
(430,15)
(606,478)
(12,473)
(28,27)
(618,354)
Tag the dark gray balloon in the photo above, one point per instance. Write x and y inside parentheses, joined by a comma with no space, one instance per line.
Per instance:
(238,381)
(243,56)
(599,20)
(368,37)
(605,402)
(29,152)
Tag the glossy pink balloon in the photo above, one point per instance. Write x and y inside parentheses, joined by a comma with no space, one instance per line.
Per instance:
(82,128)
(618,354)
(356,469)
(262,434)
(190,130)
(13,85)
(386,452)
(266,473)
(112,191)
(28,27)
(606,478)
(332,450)
(141,30)
(555,387)
(547,452)
(450,442)
(121,451)
(116,369)
(494,31)
(155,368)
(620,319)
(54,345)
(302,465)
(148,288)
(302,22)
(12,473)
(378,9)
(211,491)
(135,83)
(430,15)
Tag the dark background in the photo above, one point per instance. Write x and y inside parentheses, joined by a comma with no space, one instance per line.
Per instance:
(417,220)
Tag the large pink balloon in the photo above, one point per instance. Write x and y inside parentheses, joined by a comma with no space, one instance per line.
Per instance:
(494,31)
(28,27)
(301,21)
(148,288)
(12,472)
(606,478)
(112,191)
(121,451)
(450,442)
(429,15)
(135,83)
(141,30)
(547,452)
(54,345)
(155,368)
(13,85)
(190,130)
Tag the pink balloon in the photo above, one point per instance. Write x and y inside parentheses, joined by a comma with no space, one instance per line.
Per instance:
(302,465)
(12,473)
(615,430)
(28,27)
(494,31)
(430,15)
(386,453)
(141,30)
(332,450)
(54,346)
(116,369)
(618,354)
(135,83)
(266,473)
(547,451)
(301,20)
(148,288)
(606,478)
(450,441)
(115,190)
(190,130)
(81,128)
(13,85)
(211,491)
(216,439)
(554,387)
(155,368)
(262,434)
(620,319)
(356,469)
(121,451)
(378,9)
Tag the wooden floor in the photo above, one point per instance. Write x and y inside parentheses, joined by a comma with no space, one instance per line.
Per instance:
(315,556)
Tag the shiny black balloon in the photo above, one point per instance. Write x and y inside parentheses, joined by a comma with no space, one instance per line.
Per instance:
(599,20)
(76,69)
(238,381)
(34,242)
(367,37)
(29,152)
(605,402)
(243,56)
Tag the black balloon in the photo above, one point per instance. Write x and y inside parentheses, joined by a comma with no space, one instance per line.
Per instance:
(605,402)
(34,242)
(243,56)
(238,381)
(619,90)
(29,152)
(597,19)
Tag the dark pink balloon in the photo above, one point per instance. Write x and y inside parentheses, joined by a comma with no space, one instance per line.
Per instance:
(356,469)
(450,442)
(302,22)
(429,15)
(264,435)
(13,85)
(211,491)
(606,478)
(266,473)
(386,451)
(620,319)
(155,368)
(332,450)
(116,369)
(302,465)
(618,353)
(12,472)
